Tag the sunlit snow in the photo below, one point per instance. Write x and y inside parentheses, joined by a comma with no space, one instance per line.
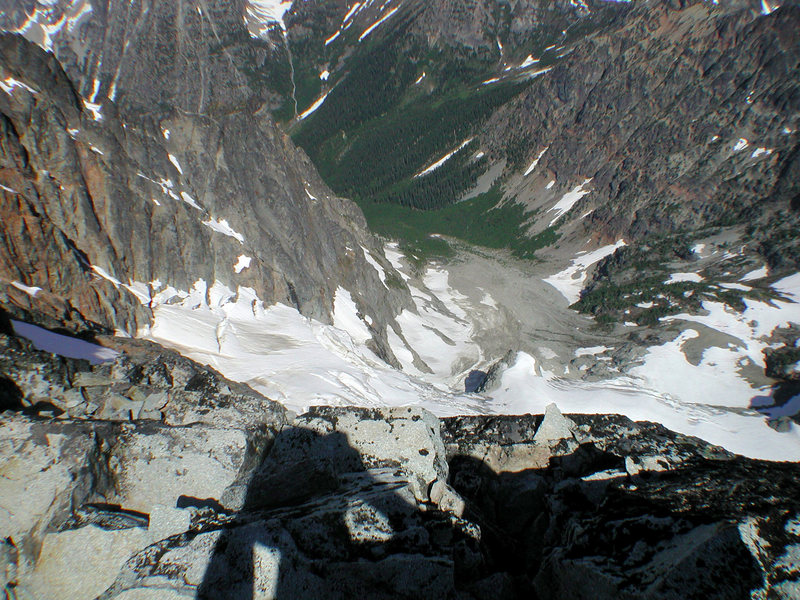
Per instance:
(28,289)
(222,226)
(262,15)
(314,106)
(435,165)
(9,84)
(302,362)
(569,200)
(570,281)
(759,273)
(242,263)
(372,27)
(376,265)
(535,162)
(681,277)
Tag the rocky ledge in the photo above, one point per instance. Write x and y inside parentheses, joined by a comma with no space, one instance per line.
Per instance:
(152,477)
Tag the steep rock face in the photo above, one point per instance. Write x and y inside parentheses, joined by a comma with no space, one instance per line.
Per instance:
(682,117)
(189,148)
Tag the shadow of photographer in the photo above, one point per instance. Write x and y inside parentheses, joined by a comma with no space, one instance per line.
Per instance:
(313,520)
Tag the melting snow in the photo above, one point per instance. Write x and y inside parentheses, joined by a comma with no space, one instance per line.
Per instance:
(222,226)
(324,75)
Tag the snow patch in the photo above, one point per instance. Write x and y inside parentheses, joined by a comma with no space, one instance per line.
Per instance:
(591,350)
(741,145)
(680,277)
(9,84)
(93,108)
(535,162)
(376,265)
(432,167)
(345,317)
(756,274)
(242,263)
(174,160)
(188,199)
(263,15)
(372,27)
(569,282)
(569,200)
(106,275)
(222,226)
(30,290)
(317,103)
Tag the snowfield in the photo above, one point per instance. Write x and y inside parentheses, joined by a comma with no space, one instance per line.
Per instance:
(695,384)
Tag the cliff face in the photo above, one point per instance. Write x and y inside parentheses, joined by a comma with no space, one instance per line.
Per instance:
(156,161)
(683,117)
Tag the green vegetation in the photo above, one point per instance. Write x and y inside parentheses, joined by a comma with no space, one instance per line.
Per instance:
(478,221)
(377,129)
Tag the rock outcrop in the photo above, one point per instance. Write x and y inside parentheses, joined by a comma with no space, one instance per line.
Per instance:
(194,499)
(682,115)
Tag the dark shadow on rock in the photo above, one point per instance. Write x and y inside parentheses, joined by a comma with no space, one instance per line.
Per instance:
(10,395)
(312,521)
(584,528)
(781,407)
(475,381)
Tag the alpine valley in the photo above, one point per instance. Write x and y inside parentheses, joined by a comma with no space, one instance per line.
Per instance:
(464,299)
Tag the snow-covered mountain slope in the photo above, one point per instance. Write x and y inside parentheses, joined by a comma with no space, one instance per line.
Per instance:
(698,382)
